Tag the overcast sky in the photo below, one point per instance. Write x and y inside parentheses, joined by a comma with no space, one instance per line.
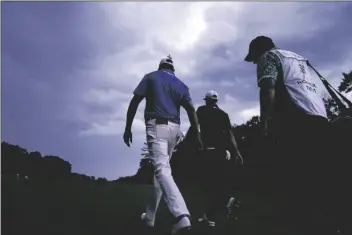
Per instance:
(69,68)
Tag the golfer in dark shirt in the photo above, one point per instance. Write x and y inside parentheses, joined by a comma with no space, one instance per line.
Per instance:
(217,138)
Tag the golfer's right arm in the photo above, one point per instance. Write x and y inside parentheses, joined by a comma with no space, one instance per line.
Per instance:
(267,73)
(191,111)
(131,111)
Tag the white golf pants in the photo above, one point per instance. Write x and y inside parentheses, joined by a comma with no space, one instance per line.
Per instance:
(161,141)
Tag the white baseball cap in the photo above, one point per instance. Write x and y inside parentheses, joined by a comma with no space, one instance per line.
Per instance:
(211,95)
(167,60)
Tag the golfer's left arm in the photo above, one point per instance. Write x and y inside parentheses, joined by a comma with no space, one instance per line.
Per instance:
(139,94)
(267,98)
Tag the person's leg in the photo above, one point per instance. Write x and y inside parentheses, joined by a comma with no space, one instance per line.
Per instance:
(229,187)
(182,221)
(158,139)
(217,187)
(285,189)
(211,187)
(299,181)
(205,172)
(297,169)
(205,177)
(311,176)
(153,204)
(325,187)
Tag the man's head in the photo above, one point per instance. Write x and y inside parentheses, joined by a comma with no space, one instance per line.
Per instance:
(258,47)
(211,98)
(167,63)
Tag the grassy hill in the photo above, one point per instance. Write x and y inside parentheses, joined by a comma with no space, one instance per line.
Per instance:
(95,208)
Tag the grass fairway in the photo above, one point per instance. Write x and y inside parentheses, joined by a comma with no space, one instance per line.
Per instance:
(93,208)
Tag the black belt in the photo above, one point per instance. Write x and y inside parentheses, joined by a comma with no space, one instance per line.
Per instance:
(159,120)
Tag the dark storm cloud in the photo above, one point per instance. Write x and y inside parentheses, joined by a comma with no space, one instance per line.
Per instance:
(331,46)
(52,53)
(327,47)
(43,43)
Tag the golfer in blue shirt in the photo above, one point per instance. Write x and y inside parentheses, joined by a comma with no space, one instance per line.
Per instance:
(164,94)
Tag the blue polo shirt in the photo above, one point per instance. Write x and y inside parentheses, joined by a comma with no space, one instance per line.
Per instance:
(164,94)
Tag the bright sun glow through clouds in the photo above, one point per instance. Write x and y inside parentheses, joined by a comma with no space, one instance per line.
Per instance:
(195,25)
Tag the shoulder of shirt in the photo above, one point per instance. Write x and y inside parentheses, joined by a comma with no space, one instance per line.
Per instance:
(153,72)
(148,75)
(201,107)
(214,108)
(181,82)
(268,57)
(170,73)
(223,112)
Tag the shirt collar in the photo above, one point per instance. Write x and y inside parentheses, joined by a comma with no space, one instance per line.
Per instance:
(168,71)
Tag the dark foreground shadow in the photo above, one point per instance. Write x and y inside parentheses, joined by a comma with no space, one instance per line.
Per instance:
(90,209)
(110,209)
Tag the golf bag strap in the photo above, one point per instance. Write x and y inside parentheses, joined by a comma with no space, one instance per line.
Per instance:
(332,91)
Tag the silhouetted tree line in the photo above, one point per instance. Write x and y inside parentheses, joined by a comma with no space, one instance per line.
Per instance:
(144,174)
(346,83)
(19,164)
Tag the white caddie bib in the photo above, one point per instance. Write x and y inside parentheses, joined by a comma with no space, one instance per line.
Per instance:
(302,87)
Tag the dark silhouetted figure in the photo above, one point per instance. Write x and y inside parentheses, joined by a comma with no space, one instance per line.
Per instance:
(218,141)
(292,110)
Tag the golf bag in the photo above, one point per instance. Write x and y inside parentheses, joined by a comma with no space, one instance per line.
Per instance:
(340,132)
(345,109)
(340,126)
